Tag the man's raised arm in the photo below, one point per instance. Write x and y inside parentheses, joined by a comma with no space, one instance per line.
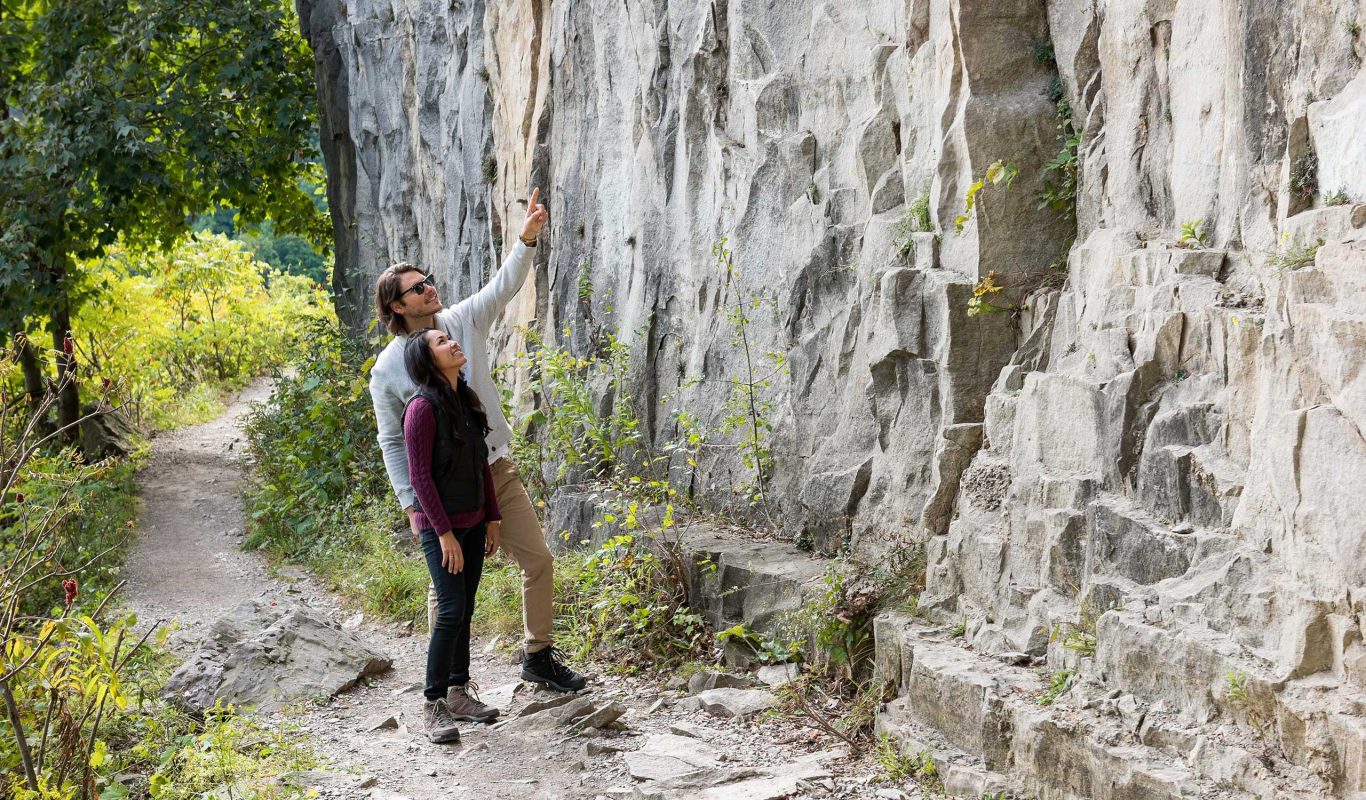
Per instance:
(484,306)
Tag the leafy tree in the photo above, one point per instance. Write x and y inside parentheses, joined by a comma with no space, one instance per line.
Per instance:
(124,119)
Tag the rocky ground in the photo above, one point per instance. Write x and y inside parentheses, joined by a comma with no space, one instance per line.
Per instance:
(650,736)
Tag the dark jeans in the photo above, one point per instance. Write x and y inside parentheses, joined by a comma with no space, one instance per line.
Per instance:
(448,654)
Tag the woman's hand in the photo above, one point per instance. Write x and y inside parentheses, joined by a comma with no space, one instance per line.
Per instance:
(451,556)
(491,537)
(536,217)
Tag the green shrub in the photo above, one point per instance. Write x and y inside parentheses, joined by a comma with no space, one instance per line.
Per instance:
(75,678)
(567,432)
(163,325)
(627,602)
(317,463)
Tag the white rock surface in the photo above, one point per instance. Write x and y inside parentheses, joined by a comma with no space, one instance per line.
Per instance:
(1162,452)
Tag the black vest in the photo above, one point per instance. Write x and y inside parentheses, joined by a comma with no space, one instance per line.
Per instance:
(457,466)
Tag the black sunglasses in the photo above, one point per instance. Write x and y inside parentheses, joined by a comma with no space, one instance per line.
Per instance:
(420,286)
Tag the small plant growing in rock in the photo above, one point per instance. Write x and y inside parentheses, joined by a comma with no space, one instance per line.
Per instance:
(1236,682)
(898,766)
(1338,198)
(1058,683)
(988,287)
(1193,234)
(844,622)
(1296,256)
(927,774)
(489,169)
(960,630)
(749,407)
(997,173)
(1080,641)
(765,649)
(915,220)
(813,193)
(586,280)
(1304,176)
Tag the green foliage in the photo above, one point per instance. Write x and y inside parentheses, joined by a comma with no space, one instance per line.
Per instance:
(231,753)
(74,680)
(90,510)
(998,172)
(160,323)
(765,649)
(1193,234)
(586,280)
(915,220)
(628,604)
(598,445)
(1338,198)
(124,119)
(844,622)
(1304,176)
(898,766)
(960,629)
(1296,256)
(750,405)
(317,468)
(1236,686)
(1081,637)
(1059,191)
(986,291)
(1058,683)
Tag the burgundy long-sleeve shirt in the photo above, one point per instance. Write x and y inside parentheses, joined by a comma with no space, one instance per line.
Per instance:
(419,432)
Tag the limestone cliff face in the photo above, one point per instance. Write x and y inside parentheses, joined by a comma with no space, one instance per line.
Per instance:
(1162,451)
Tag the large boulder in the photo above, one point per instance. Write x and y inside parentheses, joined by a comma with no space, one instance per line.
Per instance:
(265,655)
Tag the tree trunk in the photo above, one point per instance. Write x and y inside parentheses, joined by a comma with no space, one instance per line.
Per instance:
(68,390)
(32,370)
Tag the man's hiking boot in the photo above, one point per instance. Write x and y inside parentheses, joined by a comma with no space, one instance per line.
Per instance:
(546,667)
(442,727)
(463,703)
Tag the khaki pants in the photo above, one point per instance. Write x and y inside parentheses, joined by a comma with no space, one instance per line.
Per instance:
(523,539)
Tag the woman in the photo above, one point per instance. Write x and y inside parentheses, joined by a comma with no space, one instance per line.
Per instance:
(443,428)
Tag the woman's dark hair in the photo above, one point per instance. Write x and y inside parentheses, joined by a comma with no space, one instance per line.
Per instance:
(431,384)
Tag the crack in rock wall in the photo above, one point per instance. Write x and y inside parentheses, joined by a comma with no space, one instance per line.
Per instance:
(1161,454)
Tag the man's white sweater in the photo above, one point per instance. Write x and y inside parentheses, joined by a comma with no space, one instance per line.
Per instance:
(467,322)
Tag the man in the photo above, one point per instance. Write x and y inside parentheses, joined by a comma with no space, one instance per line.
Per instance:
(406,301)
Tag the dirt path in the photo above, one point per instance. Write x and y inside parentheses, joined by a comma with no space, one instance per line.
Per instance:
(188,566)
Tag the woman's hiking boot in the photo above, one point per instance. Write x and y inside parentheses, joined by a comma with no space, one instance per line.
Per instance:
(442,727)
(546,667)
(463,703)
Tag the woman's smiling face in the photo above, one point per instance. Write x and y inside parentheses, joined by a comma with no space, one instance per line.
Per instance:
(445,351)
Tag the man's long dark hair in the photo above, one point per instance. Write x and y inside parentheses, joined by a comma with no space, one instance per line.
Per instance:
(431,384)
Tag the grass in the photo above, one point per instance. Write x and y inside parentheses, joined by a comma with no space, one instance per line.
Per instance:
(898,766)
(193,406)
(915,220)
(1296,256)
(1080,641)
(1058,683)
